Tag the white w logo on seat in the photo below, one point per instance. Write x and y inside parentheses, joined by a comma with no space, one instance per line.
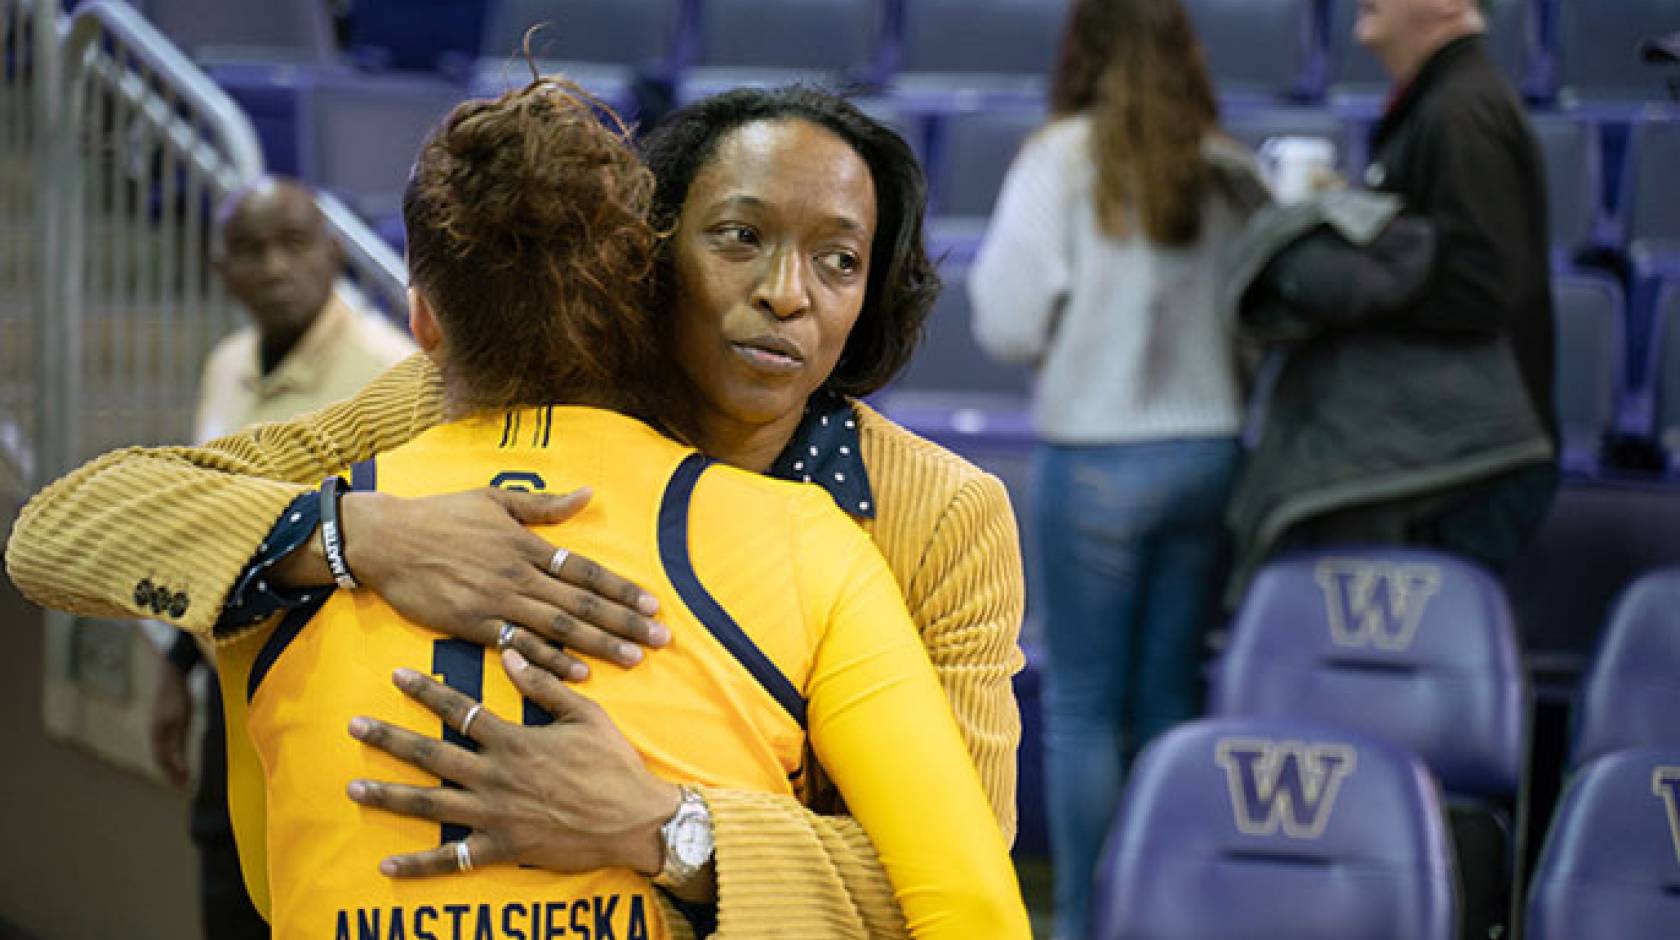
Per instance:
(1377,603)
(1665,783)
(1290,784)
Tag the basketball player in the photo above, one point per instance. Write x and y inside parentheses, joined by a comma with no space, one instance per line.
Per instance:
(526,219)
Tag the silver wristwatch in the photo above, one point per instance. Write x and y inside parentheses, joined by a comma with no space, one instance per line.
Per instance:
(688,840)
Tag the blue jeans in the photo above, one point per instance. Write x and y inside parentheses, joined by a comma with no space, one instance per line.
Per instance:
(1130,538)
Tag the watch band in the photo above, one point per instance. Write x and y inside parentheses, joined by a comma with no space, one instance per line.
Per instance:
(687,837)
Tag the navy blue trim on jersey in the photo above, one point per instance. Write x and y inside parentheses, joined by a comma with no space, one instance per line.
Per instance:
(295,620)
(673,552)
(460,665)
(364,476)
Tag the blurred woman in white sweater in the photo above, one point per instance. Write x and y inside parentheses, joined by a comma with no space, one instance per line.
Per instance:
(1099,267)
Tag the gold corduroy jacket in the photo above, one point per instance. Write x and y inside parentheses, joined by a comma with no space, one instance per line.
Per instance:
(188,520)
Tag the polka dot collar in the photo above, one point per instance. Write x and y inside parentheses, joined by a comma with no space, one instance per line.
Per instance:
(825,450)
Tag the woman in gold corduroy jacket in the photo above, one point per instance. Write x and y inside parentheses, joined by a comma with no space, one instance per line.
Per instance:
(190,534)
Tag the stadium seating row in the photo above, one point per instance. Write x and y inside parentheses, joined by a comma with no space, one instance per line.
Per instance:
(952,386)
(1356,685)
(968,87)
(355,136)
(968,153)
(1582,50)
(354,133)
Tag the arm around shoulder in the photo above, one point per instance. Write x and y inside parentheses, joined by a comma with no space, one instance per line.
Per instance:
(105,539)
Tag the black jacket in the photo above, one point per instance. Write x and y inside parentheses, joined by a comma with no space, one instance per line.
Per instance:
(1448,383)
(1457,148)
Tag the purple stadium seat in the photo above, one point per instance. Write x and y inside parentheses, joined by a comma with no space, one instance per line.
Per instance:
(245,30)
(1413,645)
(603,45)
(1630,696)
(1260,829)
(1663,375)
(1569,144)
(1611,865)
(361,134)
(970,154)
(949,359)
(1263,49)
(418,34)
(261,53)
(1590,365)
(1650,212)
(835,43)
(961,55)
(1598,57)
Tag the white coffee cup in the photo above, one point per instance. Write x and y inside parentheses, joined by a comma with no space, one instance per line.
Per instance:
(1293,166)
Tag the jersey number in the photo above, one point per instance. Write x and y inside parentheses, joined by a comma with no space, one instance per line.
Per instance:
(520,480)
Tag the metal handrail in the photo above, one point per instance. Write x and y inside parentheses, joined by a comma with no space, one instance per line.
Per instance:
(136,148)
(196,90)
(378,268)
(135,120)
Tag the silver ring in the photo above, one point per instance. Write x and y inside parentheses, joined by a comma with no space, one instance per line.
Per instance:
(463,856)
(556,560)
(466,722)
(504,639)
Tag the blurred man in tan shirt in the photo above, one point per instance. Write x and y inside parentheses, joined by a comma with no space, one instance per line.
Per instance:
(307,346)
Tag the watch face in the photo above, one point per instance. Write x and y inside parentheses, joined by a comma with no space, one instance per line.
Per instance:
(691,842)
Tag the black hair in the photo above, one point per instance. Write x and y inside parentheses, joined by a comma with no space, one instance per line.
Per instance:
(902,281)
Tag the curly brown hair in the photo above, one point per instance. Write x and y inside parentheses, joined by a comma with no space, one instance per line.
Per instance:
(528,233)
(1137,68)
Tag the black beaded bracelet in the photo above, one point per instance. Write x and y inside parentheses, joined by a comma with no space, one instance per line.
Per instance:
(332,533)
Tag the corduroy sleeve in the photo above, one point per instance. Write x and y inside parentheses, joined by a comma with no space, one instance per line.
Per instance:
(178,524)
(786,871)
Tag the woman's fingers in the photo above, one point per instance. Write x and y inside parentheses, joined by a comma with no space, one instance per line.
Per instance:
(439,804)
(438,758)
(588,622)
(541,652)
(447,859)
(541,687)
(585,573)
(459,712)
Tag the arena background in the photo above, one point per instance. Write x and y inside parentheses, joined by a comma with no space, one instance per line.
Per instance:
(340,91)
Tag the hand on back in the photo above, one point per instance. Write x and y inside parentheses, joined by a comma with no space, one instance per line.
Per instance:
(467,564)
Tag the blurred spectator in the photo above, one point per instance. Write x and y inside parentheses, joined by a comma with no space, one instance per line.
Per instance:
(307,347)
(1099,267)
(1427,419)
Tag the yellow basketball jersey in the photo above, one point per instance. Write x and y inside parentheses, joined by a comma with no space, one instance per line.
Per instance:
(719,706)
